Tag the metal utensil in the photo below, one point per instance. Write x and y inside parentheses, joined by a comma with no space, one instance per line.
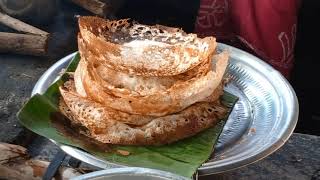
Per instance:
(133,173)
(260,123)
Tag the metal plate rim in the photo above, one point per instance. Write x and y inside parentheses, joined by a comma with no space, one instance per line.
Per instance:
(129,171)
(206,168)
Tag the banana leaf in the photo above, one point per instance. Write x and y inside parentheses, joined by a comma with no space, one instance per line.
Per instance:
(182,157)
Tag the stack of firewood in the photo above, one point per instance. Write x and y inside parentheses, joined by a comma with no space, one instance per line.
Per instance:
(30,40)
(33,41)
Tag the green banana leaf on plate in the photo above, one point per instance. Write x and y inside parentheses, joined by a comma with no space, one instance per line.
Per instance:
(41,115)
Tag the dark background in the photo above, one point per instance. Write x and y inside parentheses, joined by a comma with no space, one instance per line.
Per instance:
(306,72)
(177,13)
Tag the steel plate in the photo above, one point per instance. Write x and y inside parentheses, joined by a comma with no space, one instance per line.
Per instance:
(261,122)
(132,173)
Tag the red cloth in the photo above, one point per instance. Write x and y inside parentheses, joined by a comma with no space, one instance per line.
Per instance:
(267,27)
